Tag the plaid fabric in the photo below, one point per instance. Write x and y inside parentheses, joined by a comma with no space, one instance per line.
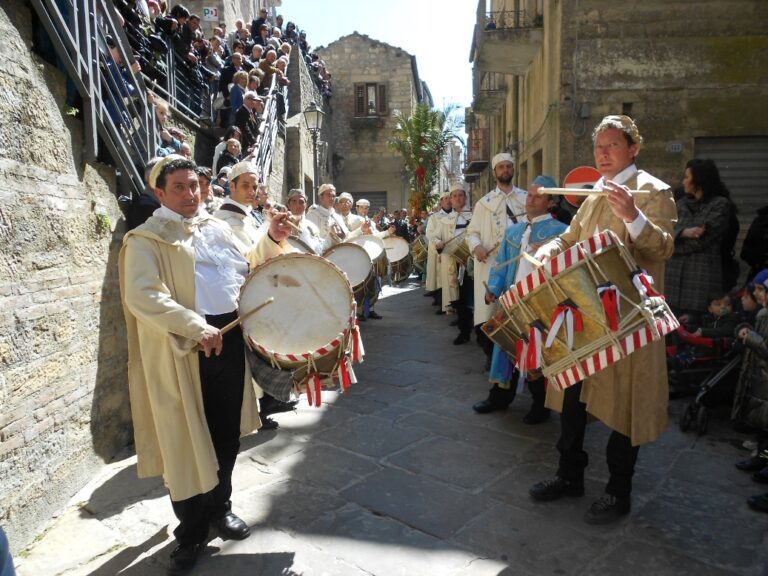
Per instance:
(695,270)
(277,383)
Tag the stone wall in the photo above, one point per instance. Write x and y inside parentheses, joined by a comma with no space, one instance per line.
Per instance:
(63,390)
(362,160)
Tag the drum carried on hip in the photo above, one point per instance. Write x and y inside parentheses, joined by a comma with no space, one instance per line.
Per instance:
(457,248)
(586,309)
(310,327)
(399,255)
(354,261)
(419,250)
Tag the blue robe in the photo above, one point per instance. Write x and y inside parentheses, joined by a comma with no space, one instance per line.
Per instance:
(502,277)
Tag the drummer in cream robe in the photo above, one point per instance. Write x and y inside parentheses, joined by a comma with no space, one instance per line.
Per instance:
(324,216)
(191,395)
(357,224)
(527,236)
(236,211)
(308,231)
(456,282)
(630,396)
(493,214)
(434,223)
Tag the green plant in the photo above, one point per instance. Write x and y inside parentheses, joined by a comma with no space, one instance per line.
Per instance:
(103,224)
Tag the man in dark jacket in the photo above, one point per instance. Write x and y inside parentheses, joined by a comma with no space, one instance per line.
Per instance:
(248,119)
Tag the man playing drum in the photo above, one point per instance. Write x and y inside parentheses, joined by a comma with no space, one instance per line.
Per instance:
(236,211)
(328,221)
(493,214)
(630,396)
(191,396)
(433,283)
(308,232)
(452,273)
(537,227)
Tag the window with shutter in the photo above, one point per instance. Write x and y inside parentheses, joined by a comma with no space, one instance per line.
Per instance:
(370,100)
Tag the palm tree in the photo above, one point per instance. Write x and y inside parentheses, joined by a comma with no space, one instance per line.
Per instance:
(421,139)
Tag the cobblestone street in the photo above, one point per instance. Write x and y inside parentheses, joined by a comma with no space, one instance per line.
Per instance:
(401,477)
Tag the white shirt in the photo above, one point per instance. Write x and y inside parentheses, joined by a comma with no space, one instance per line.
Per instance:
(220,268)
(524,267)
(636,226)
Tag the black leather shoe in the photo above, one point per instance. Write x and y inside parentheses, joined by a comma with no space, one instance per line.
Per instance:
(428,294)
(267,423)
(360,318)
(761,476)
(553,489)
(270,405)
(455,322)
(608,508)
(461,339)
(753,464)
(758,503)
(375,315)
(536,415)
(232,527)
(486,407)
(440,312)
(183,558)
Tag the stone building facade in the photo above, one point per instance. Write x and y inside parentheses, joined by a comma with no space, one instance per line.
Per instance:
(371,80)
(693,74)
(63,389)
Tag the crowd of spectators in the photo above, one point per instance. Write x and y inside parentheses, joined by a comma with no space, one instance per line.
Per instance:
(205,67)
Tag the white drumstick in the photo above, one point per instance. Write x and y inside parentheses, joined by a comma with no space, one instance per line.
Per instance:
(584,191)
(248,314)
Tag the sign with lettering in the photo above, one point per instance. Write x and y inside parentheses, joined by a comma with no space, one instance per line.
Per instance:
(211,14)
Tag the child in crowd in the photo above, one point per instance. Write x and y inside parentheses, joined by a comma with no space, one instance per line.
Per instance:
(750,403)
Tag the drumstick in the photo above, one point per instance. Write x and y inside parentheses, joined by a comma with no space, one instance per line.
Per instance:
(248,314)
(488,290)
(532,260)
(289,221)
(584,191)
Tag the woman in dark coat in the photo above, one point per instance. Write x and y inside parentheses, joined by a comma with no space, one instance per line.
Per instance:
(695,270)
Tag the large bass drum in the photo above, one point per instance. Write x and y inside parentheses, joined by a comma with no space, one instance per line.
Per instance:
(309,328)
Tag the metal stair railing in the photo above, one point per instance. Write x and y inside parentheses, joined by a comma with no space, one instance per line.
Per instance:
(265,143)
(114,97)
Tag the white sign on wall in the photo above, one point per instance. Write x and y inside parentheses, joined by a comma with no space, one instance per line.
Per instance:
(210,14)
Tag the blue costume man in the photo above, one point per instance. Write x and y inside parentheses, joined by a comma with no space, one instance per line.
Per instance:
(526,236)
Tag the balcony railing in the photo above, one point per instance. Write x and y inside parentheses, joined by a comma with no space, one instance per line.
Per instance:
(478,151)
(505,19)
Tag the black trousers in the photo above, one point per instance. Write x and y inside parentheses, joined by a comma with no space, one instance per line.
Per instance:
(462,306)
(221,378)
(620,454)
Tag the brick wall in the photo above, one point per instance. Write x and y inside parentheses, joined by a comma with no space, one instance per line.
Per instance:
(63,391)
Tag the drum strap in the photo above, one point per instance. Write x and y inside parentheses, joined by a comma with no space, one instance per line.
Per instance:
(510,214)
(232,208)
(462,225)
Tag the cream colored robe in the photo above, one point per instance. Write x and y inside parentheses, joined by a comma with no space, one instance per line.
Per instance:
(630,396)
(433,258)
(488,227)
(157,286)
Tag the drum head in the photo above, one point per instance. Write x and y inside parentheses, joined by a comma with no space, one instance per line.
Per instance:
(397,248)
(300,245)
(353,261)
(373,245)
(312,306)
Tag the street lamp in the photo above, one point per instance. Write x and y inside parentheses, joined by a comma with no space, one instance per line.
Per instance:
(313,116)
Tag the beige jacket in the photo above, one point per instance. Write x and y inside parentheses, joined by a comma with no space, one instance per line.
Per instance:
(157,286)
(630,396)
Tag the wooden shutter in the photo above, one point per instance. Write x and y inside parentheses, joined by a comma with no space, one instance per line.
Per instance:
(360,105)
(381,100)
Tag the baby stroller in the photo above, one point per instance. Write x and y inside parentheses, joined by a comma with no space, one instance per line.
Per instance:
(714,363)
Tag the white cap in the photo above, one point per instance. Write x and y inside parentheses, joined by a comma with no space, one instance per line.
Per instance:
(362,202)
(501,157)
(345,196)
(245,167)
